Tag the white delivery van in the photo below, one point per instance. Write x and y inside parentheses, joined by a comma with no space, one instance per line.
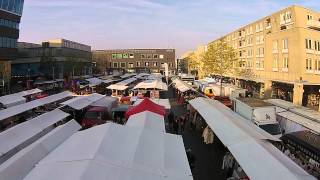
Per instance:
(260,113)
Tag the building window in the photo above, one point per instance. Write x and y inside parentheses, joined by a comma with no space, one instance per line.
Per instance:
(268,22)
(240,33)
(155,56)
(114,56)
(125,56)
(240,53)
(130,65)
(138,64)
(155,64)
(285,63)
(275,63)
(317,45)
(308,44)
(318,65)
(162,65)
(115,64)
(285,44)
(309,64)
(146,64)
(275,45)
(309,17)
(161,56)
(149,56)
(143,56)
(123,65)
(251,30)
(131,55)
(119,56)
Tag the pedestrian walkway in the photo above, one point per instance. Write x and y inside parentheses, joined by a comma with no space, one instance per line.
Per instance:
(208,157)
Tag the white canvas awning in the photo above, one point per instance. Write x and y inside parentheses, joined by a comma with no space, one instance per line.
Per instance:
(108,102)
(108,81)
(152,84)
(142,75)
(127,81)
(248,143)
(131,153)
(81,102)
(162,102)
(307,123)
(19,165)
(17,98)
(94,81)
(19,134)
(15,110)
(148,120)
(128,75)
(299,110)
(117,87)
(181,86)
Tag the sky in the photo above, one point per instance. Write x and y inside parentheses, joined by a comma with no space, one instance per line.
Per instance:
(120,24)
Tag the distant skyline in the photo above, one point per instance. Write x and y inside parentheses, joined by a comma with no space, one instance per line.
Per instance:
(122,24)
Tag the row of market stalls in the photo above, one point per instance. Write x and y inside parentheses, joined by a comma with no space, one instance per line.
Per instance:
(140,149)
(18,98)
(250,146)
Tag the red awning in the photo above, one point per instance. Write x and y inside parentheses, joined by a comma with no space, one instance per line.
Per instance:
(146,105)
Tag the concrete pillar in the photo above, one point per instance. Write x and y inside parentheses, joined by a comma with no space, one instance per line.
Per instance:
(298,94)
(267,89)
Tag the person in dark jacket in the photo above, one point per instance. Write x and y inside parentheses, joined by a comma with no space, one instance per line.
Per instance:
(175,125)
(171,119)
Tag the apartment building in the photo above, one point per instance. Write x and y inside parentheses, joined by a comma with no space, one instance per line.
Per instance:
(10,15)
(282,50)
(135,60)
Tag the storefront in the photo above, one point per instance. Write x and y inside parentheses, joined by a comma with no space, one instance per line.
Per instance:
(311,96)
(282,91)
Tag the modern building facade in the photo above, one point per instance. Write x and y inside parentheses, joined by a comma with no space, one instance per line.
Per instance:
(283,52)
(53,59)
(135,60)
(10,15)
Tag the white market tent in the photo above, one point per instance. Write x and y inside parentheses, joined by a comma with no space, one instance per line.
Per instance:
(106,81)
(152,84)
(131,153)
(94,81)
(147,120)
(162,102)
(19,165)
(17,98)
(142,75)
(249,145)
(81,102)
(299,110)
(15,110)
(128,75)
(181,86)
(127,81)
(20,135)
(305,122)
(117,87)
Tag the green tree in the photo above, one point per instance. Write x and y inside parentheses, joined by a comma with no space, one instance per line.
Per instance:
(220,59)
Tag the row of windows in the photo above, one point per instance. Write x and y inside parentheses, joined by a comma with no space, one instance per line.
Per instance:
(315,46)
(312,66)
(137,64)
(8,42)
(143,56)
(285,63)
(8,23)
(14,6)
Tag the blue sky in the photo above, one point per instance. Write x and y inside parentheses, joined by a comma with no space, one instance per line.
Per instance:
(117,24)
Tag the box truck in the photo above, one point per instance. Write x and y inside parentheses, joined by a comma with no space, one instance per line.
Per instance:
(260,113)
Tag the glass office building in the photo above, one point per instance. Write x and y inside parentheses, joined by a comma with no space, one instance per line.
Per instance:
(12,6)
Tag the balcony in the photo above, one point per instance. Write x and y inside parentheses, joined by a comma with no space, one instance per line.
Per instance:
(285,50)
(309,51)
(313,24)
(275,51)
(275,69)
(284,69)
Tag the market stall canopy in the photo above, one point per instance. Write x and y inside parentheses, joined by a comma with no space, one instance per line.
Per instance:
(152,84)
(300,110)
(162,102)
(17,98)
(94,81)
(155,76)
(248,143)
(305,122)
(117,87)
(131,153)
(127,81)
(147,120)
(15,137)
(142,75)
(15,110)
(181,86)
(108,102)
(82,102)
(19,165)
(107,81)
(146,105)
(128,75)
